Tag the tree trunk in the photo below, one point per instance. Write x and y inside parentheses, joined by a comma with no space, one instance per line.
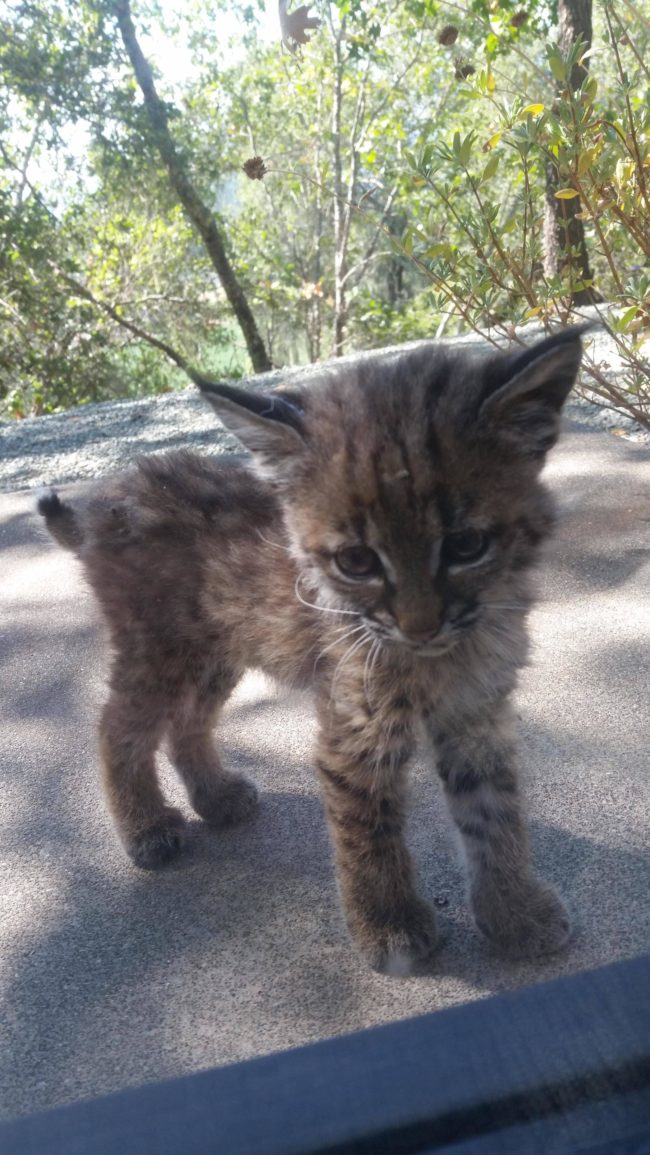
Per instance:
(198,212)
(344,187)
(563,230)
(340,303)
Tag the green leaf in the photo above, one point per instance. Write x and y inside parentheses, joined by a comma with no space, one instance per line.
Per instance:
(566,194)
(591,88)
(491,166)
(586,159)
(491,44)
(557,67)
(437,251)
(466,150)
(623,322)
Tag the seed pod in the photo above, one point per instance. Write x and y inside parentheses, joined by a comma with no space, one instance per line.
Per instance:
(448,35)
(255,168)
(463,68)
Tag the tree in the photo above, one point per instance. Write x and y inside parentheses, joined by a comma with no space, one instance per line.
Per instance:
(385,183)
(64,82)
(329,131)
(196,208)
(485,258)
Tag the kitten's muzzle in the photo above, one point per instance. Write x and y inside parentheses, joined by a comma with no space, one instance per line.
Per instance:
(420,628)
(419,637)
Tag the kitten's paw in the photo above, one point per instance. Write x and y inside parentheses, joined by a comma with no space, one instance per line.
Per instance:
(400,946)
(226,801)
(159,843)
(527,923)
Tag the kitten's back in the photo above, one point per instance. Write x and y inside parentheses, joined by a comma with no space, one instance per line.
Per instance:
(173,496)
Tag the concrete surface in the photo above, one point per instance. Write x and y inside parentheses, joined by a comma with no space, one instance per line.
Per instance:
(112,977)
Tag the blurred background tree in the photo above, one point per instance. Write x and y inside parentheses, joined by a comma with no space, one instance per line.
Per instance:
(423,168)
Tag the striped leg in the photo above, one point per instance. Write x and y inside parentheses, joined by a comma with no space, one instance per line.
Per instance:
(130,731)
(219,796)
(363,779)
(477,764)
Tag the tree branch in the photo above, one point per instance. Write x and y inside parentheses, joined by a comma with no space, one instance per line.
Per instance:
(173,354)
(198,212)
(360,268)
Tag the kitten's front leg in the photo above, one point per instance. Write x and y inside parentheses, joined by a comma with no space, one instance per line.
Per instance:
(477,763)
(363,778)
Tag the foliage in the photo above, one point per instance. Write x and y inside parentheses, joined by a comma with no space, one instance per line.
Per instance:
(478,229)
(404,157)
(331,128)
(88,224)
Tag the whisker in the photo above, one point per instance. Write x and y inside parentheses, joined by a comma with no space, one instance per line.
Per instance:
(376,657)
(368,669)
(365,671)
(275,544)
(346,631)
(322,609)
(346,657)
(338,641)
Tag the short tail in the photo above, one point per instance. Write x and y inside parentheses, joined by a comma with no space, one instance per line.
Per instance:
(60,520)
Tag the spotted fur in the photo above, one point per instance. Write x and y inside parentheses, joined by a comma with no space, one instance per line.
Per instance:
(422,470)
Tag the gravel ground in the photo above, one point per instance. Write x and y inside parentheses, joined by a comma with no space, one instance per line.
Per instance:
(92,440)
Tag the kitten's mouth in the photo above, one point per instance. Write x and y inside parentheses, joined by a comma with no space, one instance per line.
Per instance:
(432,648)
(450,633)
(436,647)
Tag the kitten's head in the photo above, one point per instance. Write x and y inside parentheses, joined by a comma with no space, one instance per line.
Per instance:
(410,480)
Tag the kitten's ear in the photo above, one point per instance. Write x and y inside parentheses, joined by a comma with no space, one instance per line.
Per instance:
(269,424)
(526,390)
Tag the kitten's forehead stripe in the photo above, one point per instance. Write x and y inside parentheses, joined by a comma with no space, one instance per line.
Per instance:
(445,506)
(391,498)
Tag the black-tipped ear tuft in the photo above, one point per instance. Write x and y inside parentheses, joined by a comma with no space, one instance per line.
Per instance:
(525,390)
(269,424)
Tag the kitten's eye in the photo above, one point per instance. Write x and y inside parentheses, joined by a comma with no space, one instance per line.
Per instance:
(358,561)
(466,546)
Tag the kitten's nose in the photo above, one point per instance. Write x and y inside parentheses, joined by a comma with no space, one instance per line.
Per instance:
(420,610)
(419,631)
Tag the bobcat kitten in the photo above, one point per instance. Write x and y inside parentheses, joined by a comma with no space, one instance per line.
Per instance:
(376,547)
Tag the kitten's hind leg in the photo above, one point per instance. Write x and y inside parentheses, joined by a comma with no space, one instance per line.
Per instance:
(219,796)
(477,763)
(130,730)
